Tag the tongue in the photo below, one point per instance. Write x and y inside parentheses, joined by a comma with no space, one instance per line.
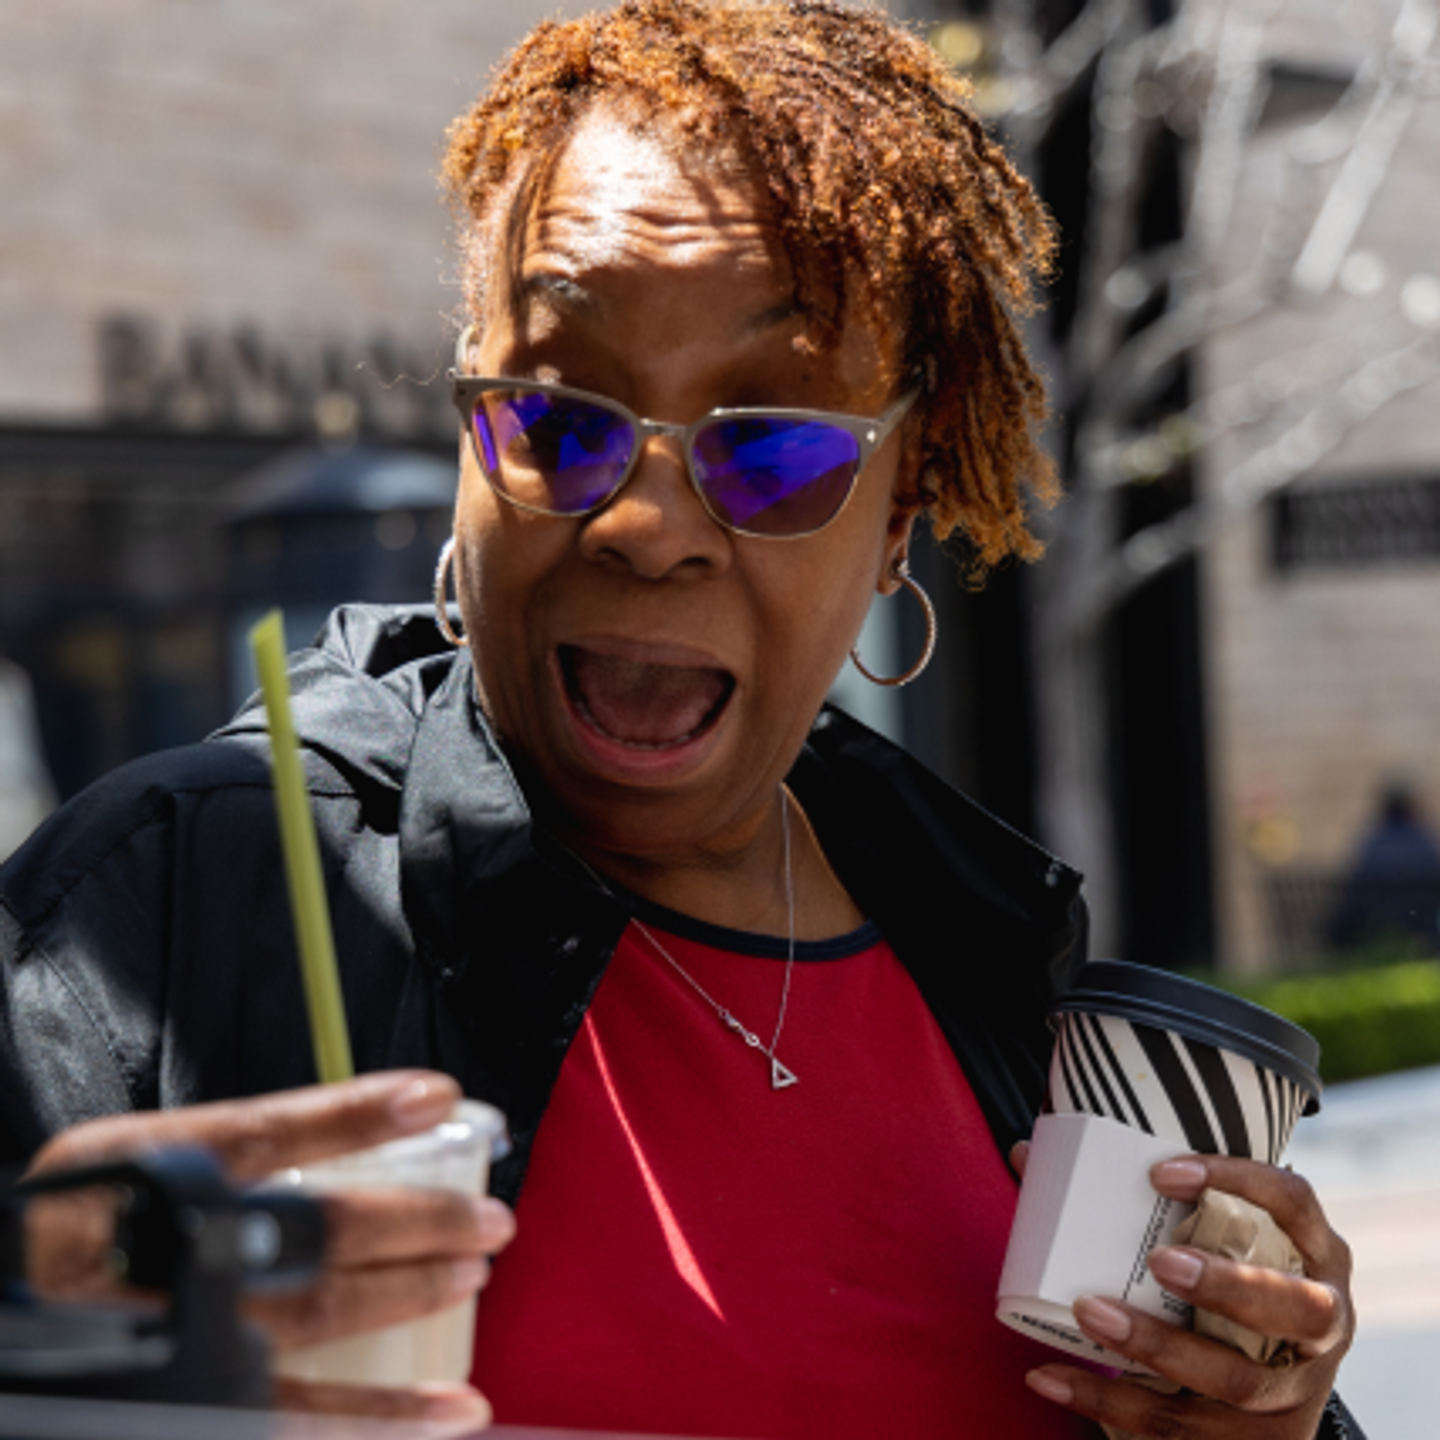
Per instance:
(644,704)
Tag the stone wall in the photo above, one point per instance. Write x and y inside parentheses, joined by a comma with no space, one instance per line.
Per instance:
(258,164)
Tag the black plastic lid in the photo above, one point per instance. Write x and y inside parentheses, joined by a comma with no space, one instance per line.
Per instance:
(1199,1012)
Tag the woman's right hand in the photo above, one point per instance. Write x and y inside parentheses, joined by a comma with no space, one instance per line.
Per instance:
(391,1255)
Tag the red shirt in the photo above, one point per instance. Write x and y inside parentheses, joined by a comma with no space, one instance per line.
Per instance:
(698,1254)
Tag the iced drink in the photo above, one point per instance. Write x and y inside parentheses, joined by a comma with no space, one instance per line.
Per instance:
(455,1155)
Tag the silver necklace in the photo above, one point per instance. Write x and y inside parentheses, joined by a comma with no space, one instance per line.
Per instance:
(781,1075)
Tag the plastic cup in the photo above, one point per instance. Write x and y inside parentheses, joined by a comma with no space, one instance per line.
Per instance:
(455,1155)
(1147,1066)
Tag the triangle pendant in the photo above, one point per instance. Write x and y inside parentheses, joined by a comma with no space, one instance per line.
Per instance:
(781,1076)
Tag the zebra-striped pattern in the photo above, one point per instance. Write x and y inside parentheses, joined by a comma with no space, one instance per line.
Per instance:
(1212,1100)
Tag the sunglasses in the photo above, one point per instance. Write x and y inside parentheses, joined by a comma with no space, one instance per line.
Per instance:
(774,473)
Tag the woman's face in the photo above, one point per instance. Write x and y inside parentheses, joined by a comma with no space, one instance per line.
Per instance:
(653,672)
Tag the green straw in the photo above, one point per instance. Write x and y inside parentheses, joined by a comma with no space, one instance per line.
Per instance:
(302,860)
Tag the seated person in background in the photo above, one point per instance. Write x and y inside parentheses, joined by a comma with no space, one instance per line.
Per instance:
(1392,889)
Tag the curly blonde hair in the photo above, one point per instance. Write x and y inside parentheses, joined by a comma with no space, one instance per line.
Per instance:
(883,184)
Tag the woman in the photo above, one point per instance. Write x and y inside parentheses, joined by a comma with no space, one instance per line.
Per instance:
(763,1001)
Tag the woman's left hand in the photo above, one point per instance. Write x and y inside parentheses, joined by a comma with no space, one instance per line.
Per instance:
(1224,1394)
(390,1255)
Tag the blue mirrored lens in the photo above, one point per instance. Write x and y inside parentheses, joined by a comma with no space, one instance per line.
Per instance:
(775,476)
(552,452)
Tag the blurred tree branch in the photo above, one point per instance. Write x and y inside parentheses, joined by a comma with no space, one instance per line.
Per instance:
(1144,312)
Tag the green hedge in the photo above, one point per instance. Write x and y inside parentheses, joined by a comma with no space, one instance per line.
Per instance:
(1368,1021)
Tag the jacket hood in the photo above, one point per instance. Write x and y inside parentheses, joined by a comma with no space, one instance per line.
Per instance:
(364,730)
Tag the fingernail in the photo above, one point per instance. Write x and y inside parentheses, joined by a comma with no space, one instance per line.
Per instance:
(458,1403)
(496,1220)
(1179,1269)
(1179,1178)
(1108,1321)
(468,1274)
(1050,1386)
(421,1104)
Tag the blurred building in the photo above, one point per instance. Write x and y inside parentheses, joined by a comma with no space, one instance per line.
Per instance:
(1323,604)
(222,239)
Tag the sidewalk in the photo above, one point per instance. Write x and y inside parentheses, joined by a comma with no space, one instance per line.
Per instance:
(1373,1155)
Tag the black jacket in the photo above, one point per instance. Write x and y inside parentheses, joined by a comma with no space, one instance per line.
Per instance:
(147,957)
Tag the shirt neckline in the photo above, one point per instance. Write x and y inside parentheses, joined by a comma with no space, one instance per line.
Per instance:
(746,942)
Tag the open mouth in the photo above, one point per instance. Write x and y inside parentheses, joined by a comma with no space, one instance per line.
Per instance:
(640,704)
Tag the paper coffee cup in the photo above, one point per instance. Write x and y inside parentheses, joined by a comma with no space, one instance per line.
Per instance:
(455,1155)
(1182,1061)
(1147,1066)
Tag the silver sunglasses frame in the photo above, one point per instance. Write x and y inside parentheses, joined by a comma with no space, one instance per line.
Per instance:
(869,433)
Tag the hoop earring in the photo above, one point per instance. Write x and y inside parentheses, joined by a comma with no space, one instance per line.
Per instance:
(901,572)
(442,608)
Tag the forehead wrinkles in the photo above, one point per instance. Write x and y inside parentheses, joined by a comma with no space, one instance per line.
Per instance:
(568,228)
(616,200)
